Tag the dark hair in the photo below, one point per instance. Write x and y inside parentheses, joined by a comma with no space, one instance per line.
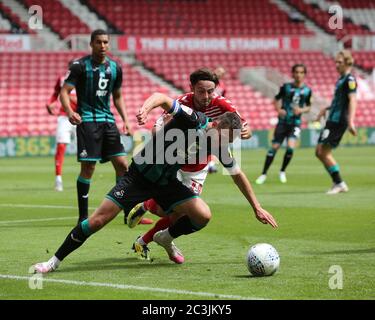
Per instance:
(229,120)
(299,65)
(98,32)
(203,75)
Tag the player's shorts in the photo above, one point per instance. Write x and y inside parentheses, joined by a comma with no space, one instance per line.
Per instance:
(65,130)
(133,188)
(332,134)
(193,180)
(98,141)
(283,131)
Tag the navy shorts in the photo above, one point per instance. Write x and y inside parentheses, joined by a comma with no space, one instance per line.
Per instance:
(288,131)
(98,141)
(332,134)
(134,188)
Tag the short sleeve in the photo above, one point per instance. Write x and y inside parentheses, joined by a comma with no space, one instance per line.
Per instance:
(308,98)
(73,74)
(281,93)
(118,81)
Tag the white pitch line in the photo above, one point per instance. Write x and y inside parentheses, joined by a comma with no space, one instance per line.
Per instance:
(132,287)
(12,205)
(36,220)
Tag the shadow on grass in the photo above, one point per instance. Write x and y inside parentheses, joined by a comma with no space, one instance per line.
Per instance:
(116,264)
(352,251)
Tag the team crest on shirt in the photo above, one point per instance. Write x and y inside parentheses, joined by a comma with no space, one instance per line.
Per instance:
(352,84)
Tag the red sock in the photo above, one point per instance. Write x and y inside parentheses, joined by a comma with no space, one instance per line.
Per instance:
(161,224)
(59,158)
(151,205)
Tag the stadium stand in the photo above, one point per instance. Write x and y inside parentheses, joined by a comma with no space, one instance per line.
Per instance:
(59,18)
(25,91)
(17,25)
(160,18)
(321,17)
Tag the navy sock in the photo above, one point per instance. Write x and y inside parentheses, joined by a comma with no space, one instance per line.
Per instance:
(183,226)
(74,240)
(83,187)
(269,158)
(287,157)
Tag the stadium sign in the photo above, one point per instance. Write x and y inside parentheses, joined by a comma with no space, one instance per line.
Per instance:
(10,43)
(183,44)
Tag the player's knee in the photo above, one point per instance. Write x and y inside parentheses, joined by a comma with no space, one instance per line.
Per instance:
(97,221)
(205,215)
(318,153)
(87,169)
(272,151)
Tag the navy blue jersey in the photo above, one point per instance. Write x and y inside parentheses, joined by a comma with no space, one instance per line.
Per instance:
(94,84)
(293,97)
(338,111)
(183,140)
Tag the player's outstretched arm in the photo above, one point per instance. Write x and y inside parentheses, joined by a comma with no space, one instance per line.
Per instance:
(74,117)
(155,100)
(351,114)
(120,106)
(244,185)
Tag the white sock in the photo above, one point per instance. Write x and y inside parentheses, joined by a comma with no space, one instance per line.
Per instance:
(58,178)
(54,262)
(141,242)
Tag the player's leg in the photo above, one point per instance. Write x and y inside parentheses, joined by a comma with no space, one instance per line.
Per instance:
(328,140)
(59,161)
(190,216)
(324,154)
(267,163)
(291,145)
(89,149)
(277,140)
(63,137)
(79,234)
(83,188)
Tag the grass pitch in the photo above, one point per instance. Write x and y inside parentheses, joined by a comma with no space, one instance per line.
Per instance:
(318,236)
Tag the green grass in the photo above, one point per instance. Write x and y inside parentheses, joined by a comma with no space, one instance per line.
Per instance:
(315,232)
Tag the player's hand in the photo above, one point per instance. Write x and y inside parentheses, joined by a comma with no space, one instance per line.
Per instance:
(265,217)
(75,118)
(142,116)
(352,129)
(282,113)
(321,114)
(50,108)
(297,111)
(128,130)
(246,132)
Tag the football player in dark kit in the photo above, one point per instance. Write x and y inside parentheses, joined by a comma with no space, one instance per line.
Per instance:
(292,100)
(153,174)
(95,78)
(341,117)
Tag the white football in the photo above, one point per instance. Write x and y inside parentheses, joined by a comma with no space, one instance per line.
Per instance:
(263,260)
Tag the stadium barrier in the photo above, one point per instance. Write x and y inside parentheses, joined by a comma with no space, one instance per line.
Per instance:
(45,145)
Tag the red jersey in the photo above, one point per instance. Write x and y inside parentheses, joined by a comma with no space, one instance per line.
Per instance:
(55,95)
(218,106)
